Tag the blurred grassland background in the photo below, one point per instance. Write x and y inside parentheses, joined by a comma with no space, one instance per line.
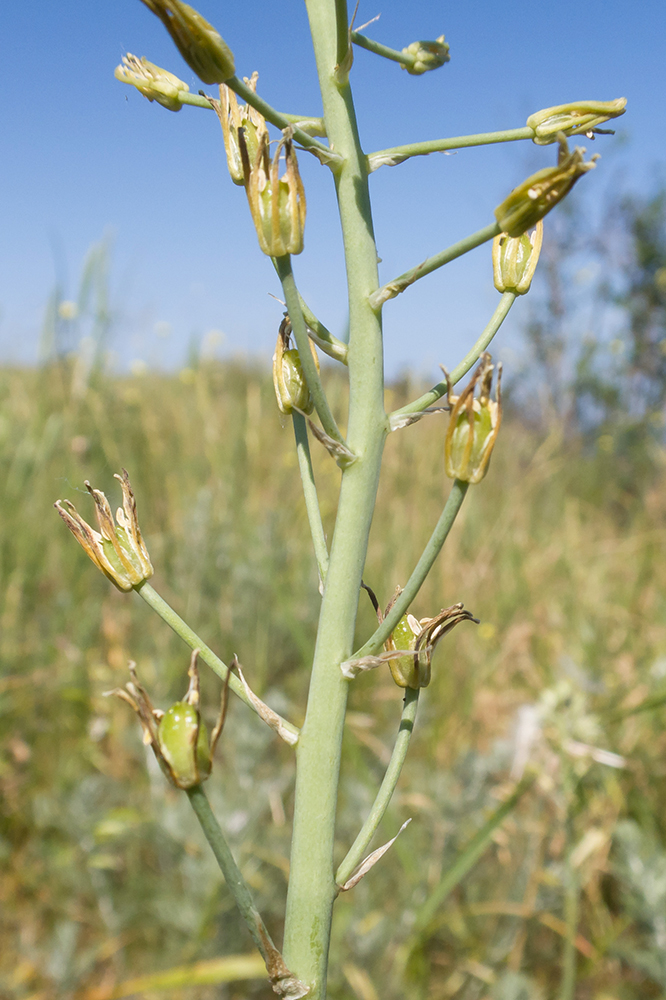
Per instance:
(104,875)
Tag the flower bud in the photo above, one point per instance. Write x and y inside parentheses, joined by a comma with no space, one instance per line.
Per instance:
(233,118)
(154,83)
(426,56)
(277,204)
(474,424)
(178,737)
(421,637)
(535,197)
(198,42)
(579,118)
(119,551)
(291,389)
(515,259)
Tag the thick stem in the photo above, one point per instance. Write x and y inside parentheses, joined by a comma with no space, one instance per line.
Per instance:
(188,635)
(571,917)
(430,264)
(357,851)
(310,494)
(420,572)
(398,154)
(312,887)
(298,325)
(470,359)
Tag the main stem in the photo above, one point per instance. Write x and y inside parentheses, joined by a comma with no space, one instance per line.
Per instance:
(312,887)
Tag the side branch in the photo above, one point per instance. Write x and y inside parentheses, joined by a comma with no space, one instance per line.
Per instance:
(398,154)
(310,494)
(325,153)
(470,359)
(283,982)
(420,572)
(322,337)
(188,635)
(406,59)
(386,790)
(298,325)
(430,264)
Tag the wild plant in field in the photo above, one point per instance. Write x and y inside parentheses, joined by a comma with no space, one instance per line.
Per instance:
(401,642)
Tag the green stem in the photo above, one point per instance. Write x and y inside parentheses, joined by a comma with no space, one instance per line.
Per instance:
(324,339)
(236,884)
(188,635)
(281,121)
(358,849)
(312,887)
(470,359)
(309,123)
(468,857)
(310,494)
(420,572)
(430,264)
(341,32)
(398,154)
(571,917)
(371,45)
(286,275)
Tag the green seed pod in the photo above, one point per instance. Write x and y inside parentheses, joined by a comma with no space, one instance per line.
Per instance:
(198,42)
(474,424)
(541,192)
(515,259)
(408,671)
(291,389)
(183,743)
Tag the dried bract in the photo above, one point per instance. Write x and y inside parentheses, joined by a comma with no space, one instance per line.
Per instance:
(291,389)
(234,118)
(277,204)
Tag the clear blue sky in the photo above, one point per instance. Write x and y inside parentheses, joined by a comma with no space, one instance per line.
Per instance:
(82,153)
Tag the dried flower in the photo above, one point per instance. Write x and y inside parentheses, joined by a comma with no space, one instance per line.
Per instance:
(427,56)
(291,389)
(198,42)
(234,117)
(421,637)
(535,197)
(154,83)
(277,204)
(474,424)
(119,551)
(515,259)
(178,737)
(578,118)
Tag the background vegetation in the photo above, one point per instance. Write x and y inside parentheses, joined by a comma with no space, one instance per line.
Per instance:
(104,876)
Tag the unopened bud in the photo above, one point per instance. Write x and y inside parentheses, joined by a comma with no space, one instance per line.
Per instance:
(578,118)
(515,259)
(154,83)
(424,56)
(535,197)
(234,117)
(291,389)
(474,424)
(277,204)
(198,42)
(119,551)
